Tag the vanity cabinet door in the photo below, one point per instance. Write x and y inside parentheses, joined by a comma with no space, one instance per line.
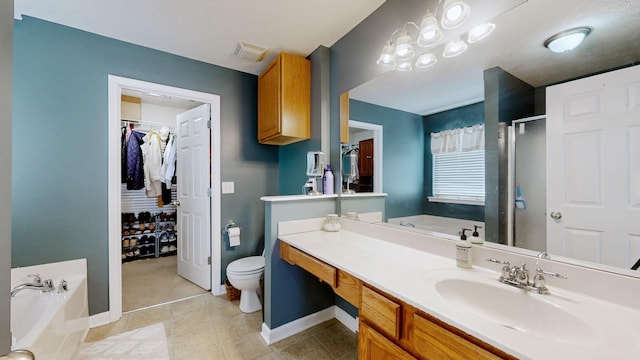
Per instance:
(381,312)
(374,346)
(431,341)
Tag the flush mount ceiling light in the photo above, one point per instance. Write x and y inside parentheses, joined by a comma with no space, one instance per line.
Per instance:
(400,50)
(567,40)
(454,14)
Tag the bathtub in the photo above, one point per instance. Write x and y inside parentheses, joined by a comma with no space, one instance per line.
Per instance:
(438,225)
(53,324)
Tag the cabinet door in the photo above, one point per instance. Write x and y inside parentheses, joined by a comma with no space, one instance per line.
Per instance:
(431,341)
(269,110)
(374,346)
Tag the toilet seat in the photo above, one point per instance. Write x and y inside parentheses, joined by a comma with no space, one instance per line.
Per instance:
(247,265)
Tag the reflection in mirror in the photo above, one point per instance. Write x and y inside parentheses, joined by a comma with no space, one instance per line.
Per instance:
(447,89)
(362,158)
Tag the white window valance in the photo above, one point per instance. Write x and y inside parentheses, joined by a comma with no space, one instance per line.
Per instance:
(458,140)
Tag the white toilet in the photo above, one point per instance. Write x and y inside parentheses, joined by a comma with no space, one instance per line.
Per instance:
(244,274)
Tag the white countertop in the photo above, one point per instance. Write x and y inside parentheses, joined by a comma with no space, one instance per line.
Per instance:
(411,276)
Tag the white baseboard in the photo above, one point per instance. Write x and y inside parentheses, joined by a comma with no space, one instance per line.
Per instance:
(347,320)
(99,319)
(282,332)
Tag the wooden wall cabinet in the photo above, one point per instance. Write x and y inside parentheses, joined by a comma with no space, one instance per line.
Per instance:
(284,101)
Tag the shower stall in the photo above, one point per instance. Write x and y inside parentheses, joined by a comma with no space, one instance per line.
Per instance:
(526,183)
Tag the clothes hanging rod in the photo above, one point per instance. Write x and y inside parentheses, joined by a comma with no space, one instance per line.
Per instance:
(150,123)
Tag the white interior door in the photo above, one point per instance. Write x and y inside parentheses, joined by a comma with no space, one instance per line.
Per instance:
(194,205)
(593,168)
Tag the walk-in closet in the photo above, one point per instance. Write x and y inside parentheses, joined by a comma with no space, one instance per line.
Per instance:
(148,197)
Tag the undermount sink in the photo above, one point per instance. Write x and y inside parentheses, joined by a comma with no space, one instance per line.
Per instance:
(513,308)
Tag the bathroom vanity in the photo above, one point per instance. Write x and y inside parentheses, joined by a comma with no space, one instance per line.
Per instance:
(413,301)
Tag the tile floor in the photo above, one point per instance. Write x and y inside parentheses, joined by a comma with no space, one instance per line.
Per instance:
(211,327)
(150,282)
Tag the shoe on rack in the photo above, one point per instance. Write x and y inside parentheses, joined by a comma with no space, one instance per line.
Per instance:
(125,242)
(173,248)
(164,249)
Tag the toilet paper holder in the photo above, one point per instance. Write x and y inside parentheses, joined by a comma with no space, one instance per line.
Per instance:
(229,225)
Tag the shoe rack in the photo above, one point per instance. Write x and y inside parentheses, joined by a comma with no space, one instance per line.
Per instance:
(148,235)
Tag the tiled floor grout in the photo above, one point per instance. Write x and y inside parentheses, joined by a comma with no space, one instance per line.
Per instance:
(211,327)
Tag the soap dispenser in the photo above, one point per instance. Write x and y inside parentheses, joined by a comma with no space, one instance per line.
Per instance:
(475,237)
(463,251)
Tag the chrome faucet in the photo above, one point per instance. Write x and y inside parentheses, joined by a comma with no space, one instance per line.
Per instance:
(518,276)
(36,284)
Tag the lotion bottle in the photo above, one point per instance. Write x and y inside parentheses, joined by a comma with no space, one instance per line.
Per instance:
(327,183)
(463,251)
(475,237)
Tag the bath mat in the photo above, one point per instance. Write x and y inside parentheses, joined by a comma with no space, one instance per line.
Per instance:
(147,343)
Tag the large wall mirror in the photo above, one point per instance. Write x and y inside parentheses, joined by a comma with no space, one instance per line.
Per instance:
(454,94)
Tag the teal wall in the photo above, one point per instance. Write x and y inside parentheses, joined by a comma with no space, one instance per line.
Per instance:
(455,118)
(6,69)
(403,155)
(507,98)
(59,132)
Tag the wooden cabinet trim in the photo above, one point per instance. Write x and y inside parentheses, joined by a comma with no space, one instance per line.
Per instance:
(349,288)
(323,271)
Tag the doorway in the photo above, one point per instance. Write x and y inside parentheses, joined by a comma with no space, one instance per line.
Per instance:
(118,85)
(362,131)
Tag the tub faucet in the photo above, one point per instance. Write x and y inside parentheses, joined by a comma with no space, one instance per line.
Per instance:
(36,284)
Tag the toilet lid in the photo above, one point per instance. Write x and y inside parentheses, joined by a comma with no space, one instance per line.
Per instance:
(247,264)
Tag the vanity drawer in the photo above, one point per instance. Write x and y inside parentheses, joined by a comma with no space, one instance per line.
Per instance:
(381,312)
(323,271)
(431,341)
(349,288)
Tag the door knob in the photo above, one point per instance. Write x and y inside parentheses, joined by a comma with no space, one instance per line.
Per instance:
(556,215)
(175,202)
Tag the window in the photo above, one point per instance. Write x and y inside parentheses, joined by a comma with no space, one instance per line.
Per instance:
(458,166)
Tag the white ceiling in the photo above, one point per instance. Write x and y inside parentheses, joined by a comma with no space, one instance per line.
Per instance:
(208,30)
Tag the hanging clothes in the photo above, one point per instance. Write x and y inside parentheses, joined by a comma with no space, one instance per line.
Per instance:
(169,161)
(152,157)
(123,155)
(135,162)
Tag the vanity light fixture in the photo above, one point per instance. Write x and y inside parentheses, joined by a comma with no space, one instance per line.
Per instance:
(404,49)
(454,48)
(480,32)
(454,14)
(386,56)
(430,33)
(426,60)
(567,40)
(400,50)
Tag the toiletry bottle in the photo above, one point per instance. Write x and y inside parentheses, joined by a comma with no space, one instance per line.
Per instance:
(475,237)
(327,181)
(463,251)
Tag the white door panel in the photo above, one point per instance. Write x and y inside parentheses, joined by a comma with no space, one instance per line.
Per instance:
(593,168)
(193,165)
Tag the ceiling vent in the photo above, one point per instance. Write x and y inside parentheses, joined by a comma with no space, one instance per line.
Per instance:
(250,51)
